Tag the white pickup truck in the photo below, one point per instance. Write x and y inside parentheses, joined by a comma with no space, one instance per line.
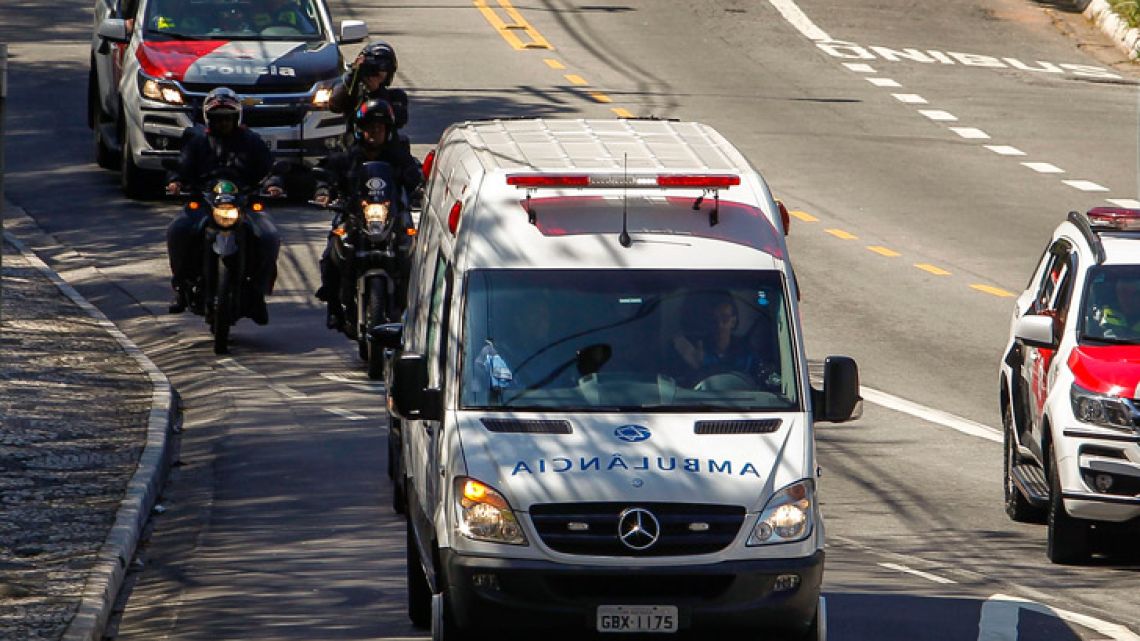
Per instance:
(153,61)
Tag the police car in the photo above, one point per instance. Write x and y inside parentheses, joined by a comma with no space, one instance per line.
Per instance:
(153,62)
(1069,380)
(608,422)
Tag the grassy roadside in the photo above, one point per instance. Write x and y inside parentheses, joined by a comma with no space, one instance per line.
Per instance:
(1127,9)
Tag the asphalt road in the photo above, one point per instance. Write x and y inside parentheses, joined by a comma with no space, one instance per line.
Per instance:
(926,155)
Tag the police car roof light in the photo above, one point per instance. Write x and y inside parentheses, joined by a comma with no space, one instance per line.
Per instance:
(632,181)
(1114,219)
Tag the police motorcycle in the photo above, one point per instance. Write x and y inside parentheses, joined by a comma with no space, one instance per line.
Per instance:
(224,291)
(372,235)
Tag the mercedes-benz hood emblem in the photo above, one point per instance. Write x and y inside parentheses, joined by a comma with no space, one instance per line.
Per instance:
(638,529)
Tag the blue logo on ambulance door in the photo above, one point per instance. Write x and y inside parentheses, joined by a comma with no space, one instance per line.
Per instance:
(632,433)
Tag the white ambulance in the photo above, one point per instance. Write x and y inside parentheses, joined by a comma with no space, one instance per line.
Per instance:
(601,379)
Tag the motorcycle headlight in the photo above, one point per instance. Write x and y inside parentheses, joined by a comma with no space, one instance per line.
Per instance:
(787,517)
(160,90)
(226,215)
(1112,412)
(484,514)
(376,212)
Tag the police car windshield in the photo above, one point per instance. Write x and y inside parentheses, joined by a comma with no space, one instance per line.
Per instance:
(1110,310)
(233,20)
(628,340)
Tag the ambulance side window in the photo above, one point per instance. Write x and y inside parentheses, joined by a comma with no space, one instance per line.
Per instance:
(438,321)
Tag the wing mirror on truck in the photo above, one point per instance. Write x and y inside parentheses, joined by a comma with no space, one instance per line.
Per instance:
(113,30)
(352,31)
(411,398)
(1036,330)
(839,400)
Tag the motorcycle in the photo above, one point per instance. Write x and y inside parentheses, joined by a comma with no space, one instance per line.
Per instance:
(372,234)
(224,290)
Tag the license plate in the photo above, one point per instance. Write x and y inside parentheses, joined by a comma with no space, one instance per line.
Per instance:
(637,618)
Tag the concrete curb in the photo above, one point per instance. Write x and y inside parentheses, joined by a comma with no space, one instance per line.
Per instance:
(107,573)
(1126,38)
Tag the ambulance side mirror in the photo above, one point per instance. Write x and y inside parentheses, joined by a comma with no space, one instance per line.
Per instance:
(839,399)
(411,397)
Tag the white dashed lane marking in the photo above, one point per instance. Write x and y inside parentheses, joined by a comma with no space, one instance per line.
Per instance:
(970,133)
(883,82)
(938,114)
(1005,150)
(1085,185)
(909,98)
(1044,167)
(345,414)
(859,67)
(1125,202)
(926,575)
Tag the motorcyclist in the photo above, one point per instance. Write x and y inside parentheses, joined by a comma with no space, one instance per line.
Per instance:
(375,139)
(371,77)
(226,147)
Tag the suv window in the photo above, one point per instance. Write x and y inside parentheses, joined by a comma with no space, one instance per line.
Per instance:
(1110,309)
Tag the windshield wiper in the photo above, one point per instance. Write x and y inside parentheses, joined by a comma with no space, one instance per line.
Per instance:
(173,35)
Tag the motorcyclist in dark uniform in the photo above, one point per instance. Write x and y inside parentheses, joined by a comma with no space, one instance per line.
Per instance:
(226,147)
(375,139)
(371,77)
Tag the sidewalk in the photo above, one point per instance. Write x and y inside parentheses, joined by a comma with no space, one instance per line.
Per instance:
(85,420)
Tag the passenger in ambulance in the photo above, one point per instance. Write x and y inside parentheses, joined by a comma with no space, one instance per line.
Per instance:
(513,357)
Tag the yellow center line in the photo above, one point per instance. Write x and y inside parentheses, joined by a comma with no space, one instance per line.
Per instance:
(553,63)
(996,291)
(622,112)
(839,233)
(803,215)
(517,23)
(576,79)
(601,97)
(883,251)
(937,271)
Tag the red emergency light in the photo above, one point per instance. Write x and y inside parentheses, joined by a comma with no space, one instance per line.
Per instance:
(1114,219)
(628,181)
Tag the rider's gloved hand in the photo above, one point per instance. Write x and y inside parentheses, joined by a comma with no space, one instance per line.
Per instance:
(173,188)
(321,197)
(274,191)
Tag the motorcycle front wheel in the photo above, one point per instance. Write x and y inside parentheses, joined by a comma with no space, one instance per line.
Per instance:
(223,308)
(374,313)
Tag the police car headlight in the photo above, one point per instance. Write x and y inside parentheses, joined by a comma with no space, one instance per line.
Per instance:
(226,215)
(787,517)
(1103,411)
(376,212)
(321,98)
(484,514)
(160,90)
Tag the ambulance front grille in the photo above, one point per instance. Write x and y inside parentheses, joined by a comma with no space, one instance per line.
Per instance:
(593,528)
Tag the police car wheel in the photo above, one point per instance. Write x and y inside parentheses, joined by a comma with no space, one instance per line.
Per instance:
(1068,538)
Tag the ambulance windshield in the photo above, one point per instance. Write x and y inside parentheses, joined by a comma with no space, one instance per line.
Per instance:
(623,340)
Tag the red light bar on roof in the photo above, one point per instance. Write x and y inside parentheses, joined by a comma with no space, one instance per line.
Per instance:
(631,181)
(1114,219)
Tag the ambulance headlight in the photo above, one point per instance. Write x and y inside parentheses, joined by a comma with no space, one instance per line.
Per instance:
(483,513)
(787,517)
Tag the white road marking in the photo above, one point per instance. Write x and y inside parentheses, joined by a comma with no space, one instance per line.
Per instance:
(919,573)
(1084,185)
(1127,203)
(970,133)
(1044,167)
(352,416)
(938,114)
(883,82)
(859,67)
(1000,613)
(910,98)
(236,367)
(800,21)
(938,417)
(1005,150)
(287,392)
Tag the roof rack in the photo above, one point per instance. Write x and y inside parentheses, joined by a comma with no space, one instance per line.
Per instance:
(1083,223)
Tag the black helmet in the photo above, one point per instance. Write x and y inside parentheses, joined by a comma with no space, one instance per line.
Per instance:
(370,111)
(221,103)
(379,56)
